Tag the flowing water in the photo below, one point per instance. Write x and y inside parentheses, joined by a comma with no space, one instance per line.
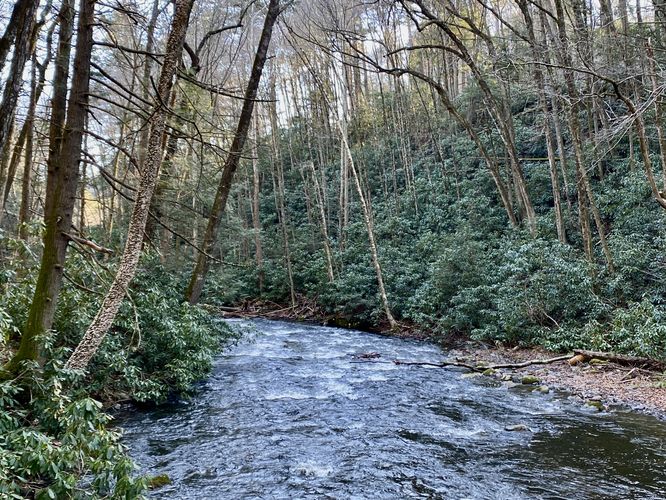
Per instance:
(289,413)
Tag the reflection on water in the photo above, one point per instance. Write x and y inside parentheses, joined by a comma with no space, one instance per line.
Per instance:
(288,413)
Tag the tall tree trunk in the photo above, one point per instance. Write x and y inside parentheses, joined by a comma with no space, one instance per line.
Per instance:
(369,226)
(256,208)
(585,190)
(658,113)
(144,134)
(502,188)
(321,209)
(62,182)
(543,102)
(231,164)
(22,51)
(499,109)
(8,167)
(13,25)
(28,126)
(129,261)
(280,206)
(10,164)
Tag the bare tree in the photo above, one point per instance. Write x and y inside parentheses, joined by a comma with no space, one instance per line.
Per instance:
(129,261)
(200,271)
(62,180)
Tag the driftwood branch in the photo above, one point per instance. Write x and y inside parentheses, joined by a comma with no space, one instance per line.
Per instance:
(443,364)
(481,368)
(580,356)
(531,362)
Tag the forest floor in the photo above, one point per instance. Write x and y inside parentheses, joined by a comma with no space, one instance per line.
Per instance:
(598,382)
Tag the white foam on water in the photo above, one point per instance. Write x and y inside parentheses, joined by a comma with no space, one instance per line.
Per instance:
(287,395)
(340,389)
(312,469)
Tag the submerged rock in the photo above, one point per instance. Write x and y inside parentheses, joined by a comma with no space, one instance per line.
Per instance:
(158,481)
(595,404)
(517,428)
(529,380)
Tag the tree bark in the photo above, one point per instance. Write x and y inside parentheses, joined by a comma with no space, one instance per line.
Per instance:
(129,261)
(367,217)
(319,198)
(22,51)
(9,36)
(256,207)
(200,271)
(543,102)
(62,181)
(585,190)
(279,191)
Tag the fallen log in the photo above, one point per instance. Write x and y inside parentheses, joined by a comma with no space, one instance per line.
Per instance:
(622,359)
(229,308)
(531,362)
(443,364)
(484,367)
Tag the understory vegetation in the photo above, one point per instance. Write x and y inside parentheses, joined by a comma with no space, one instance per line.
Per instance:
(56,438)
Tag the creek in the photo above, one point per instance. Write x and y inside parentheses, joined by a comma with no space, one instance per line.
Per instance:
(290,413)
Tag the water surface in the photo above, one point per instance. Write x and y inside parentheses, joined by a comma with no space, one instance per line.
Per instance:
(289,413)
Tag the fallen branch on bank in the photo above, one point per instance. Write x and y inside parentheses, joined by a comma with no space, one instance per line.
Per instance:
(484,367)
(622,359)
(573,359)
(443,364)
(531,362)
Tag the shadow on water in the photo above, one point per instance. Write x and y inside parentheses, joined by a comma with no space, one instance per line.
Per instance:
(291,414)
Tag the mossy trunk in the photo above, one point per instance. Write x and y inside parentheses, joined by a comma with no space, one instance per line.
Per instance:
(62,183)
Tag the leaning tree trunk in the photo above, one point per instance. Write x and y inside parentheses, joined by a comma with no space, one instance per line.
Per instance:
(543,103)
(62,181)
(212,229)
(130,259)
(584,187)
(367,217)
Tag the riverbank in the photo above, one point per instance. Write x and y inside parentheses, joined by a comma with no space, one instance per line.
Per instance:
(599,383)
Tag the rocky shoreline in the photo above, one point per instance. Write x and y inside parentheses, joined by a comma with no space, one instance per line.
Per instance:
(598,383)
